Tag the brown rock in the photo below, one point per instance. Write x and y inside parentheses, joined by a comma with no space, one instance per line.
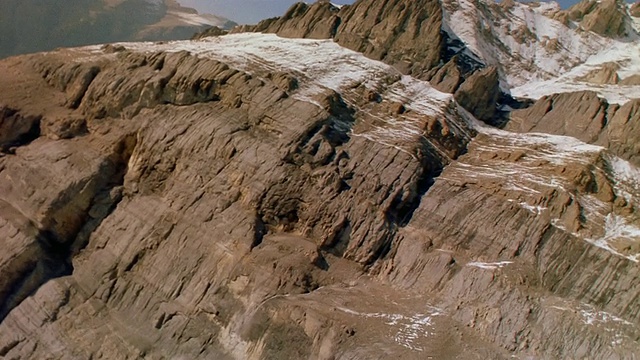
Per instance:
(210,212)
(581,114)
(622,131)
(631,80)
(606,18)
(635,9)
(447,78)
(212,31)
(15,128)
(317,21)
(402,33)
(63,128)
(479,94)
(606,74)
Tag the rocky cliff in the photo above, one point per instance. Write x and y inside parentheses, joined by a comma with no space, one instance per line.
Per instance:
(233,197)
(30,26)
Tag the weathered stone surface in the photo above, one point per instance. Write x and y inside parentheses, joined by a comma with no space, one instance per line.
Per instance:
(211,204)
(607,18)
(232,163)
(404,34)
(540,229)
(447,78)
(622,131)
(586,117)
(581,115)
(635,9)
(631,80)
(212,31)
(480,94)
(317,21)
(606,74)
(15,128)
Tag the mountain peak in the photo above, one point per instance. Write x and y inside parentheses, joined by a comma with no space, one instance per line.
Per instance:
(607,17)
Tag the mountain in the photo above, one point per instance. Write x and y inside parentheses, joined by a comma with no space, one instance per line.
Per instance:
(31,26)
(394,178)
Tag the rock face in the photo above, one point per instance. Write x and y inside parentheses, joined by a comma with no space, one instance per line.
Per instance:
(607,18)
(634,10)
(586,117)
(480,94)
(28,26)
(607,74)
(404,34)
(233,197)
(582,115)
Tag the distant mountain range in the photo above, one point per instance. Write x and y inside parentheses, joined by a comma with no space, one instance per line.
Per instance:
(30,25)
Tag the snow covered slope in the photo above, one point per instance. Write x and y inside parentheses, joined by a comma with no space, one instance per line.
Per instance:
(538,54)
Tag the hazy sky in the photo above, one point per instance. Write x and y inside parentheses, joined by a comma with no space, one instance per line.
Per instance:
(252,11)
(246,11)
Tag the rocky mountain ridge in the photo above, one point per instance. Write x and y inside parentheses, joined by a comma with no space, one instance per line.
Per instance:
(233,197)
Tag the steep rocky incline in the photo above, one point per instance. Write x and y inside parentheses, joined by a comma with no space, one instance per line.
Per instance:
(587,117)
(232,197)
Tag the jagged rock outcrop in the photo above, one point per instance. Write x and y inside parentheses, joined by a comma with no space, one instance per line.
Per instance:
(607,18)
(622,131)
(631,80)
(634,10)
(212,31)
(584,116)
(404,34)
(607,74)
(317,21)
(480,94)
(16,129)
(448,78)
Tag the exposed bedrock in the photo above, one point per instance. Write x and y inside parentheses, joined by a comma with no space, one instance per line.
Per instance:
(172,205)
(587,117)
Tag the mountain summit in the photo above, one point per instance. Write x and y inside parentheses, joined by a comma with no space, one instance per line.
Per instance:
(452,179)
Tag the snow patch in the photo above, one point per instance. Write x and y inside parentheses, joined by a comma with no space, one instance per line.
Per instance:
(490,266)
(408,329)
(198,19)
(617,227)
(624,54)
(627,178)
(534,209)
